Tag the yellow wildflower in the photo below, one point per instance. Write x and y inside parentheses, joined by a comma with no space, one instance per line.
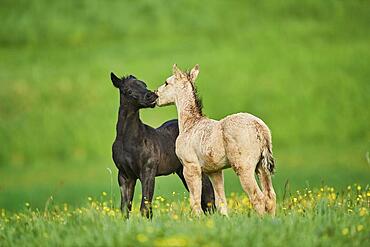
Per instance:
(245,201)
(104,193)
(363,211)
(360,228)
(345,231)
(171,241)
(333,196)
(141,238)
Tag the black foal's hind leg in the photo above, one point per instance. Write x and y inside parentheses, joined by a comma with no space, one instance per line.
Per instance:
(208,196)
(147,184)
(127,188)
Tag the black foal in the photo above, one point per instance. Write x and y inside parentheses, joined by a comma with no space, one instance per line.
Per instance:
(142,152)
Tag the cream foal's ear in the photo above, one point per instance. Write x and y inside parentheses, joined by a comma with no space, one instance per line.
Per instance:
(194,73)
(175,70)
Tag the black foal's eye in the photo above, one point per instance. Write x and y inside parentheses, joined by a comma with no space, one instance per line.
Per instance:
(129,92)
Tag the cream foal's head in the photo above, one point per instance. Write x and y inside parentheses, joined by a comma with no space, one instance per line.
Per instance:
(177,84)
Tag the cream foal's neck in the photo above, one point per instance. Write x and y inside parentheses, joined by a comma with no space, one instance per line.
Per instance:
(187,111)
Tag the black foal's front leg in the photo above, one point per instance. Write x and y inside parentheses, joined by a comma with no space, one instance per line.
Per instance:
(147,184)
(127,188)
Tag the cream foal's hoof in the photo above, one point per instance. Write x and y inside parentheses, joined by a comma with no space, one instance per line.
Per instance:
(196,213)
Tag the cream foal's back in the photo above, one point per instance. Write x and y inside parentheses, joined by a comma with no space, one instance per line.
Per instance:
(206,139)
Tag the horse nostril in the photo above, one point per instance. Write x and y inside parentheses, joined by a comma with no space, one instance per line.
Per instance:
(150,96)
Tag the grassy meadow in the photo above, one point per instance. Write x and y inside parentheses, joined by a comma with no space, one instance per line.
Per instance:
(301,66)
(318,217)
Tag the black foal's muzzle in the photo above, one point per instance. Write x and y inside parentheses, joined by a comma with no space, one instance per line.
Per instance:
(151,96)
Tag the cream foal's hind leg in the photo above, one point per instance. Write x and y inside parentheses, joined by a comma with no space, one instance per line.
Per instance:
(217,179)
(268,190)
(250,186)
(243,155)
(244,162)
(193,176)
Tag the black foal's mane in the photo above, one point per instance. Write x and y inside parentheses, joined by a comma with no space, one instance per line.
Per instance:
(126,77)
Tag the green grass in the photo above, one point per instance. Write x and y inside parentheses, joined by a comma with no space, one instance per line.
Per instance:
(309,217)
(301,66)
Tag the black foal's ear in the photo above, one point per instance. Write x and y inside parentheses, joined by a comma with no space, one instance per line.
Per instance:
(116,81)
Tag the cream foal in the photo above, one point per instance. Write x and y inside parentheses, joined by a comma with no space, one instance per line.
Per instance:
(241,141)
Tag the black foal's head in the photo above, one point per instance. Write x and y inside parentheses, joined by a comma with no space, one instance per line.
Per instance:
(134,91)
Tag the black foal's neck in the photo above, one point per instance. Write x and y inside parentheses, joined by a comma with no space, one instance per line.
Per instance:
(128,120)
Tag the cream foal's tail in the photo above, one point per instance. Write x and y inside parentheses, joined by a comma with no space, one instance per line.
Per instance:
(267,159)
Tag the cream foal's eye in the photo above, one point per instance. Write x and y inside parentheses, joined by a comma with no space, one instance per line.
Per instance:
(166,83)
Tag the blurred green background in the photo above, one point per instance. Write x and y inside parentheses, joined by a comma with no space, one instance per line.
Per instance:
(301,66)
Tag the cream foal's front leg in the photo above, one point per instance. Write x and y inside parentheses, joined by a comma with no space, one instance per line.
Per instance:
(217,179)
(193,176)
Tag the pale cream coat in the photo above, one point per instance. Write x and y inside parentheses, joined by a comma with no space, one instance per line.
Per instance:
(241,141)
